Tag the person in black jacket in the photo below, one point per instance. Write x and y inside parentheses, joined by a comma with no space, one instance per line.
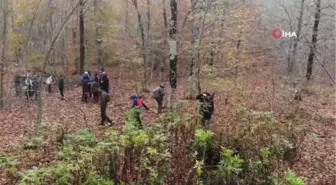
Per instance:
(206,109)
(105,83)
(61,86)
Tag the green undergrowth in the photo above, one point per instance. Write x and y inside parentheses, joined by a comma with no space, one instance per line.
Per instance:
(172,151)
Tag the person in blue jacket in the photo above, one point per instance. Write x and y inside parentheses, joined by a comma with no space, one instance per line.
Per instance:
(85,80)
(86,76)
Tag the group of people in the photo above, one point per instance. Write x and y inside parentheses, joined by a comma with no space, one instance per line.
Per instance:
(98,87)
(93,86)
(30,84)
(138,103)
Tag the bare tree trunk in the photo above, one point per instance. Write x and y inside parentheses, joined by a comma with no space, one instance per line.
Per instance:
(314,40)
(149,40)
(164,59)
(74,47)
(46,61)
(126,33)
(213,47)
(3,55)
(51,25)
(296,41)
(173,52)
(81,38)
(191,79)
(99,42)
(64,56)
(237,56)
(143,44)
(194,86)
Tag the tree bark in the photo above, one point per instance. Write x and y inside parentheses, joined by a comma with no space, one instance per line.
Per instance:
(173,53)
(98,42)
(151,60)
(64,56)
(313,42)
(3,55)
(166,34)
(46,61)
(164,59)
(51,25)
(81,38)
(296,40)
(194,86)
(143,44)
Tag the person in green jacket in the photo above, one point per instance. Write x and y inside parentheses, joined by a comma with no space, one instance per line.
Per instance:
(158,95)
(105,98)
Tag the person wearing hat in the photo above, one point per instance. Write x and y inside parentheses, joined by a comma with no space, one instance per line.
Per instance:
(137,104)
(158,94)
(86,76)
(85,86)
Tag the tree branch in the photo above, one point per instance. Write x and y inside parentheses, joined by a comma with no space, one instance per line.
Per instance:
(322,65)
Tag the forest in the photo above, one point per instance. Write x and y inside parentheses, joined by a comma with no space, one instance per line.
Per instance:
(171,92)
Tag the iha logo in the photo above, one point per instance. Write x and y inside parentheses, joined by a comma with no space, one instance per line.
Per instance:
(277,33)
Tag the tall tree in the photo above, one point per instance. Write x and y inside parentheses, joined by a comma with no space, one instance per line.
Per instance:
(173,52)
(3,55)
(45,62)
(81,37)
(51,28)
(143,45)
(314,41)
(165,21)
(297,39)
(196,41)
(149,39)
(99,42)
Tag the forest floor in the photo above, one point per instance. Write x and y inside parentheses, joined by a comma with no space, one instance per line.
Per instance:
(316,166)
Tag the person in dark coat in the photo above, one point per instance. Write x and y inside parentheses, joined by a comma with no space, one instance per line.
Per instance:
(105,83)
(61,86)
(105,98)
(158,95)
(206,108)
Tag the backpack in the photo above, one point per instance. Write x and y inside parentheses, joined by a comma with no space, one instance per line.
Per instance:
(139,102)
(157,94)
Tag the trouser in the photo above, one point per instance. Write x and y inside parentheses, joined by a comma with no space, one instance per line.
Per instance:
(206,122)
(90,91)
(49,88)
(17,89)
(138,119)
(85,96)
(61,90)
(159,109)
(96,96)
(104,117)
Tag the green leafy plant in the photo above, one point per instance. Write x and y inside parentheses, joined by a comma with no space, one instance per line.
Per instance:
(292,179)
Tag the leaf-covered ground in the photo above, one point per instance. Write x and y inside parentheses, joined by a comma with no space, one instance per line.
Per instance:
(317,162)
